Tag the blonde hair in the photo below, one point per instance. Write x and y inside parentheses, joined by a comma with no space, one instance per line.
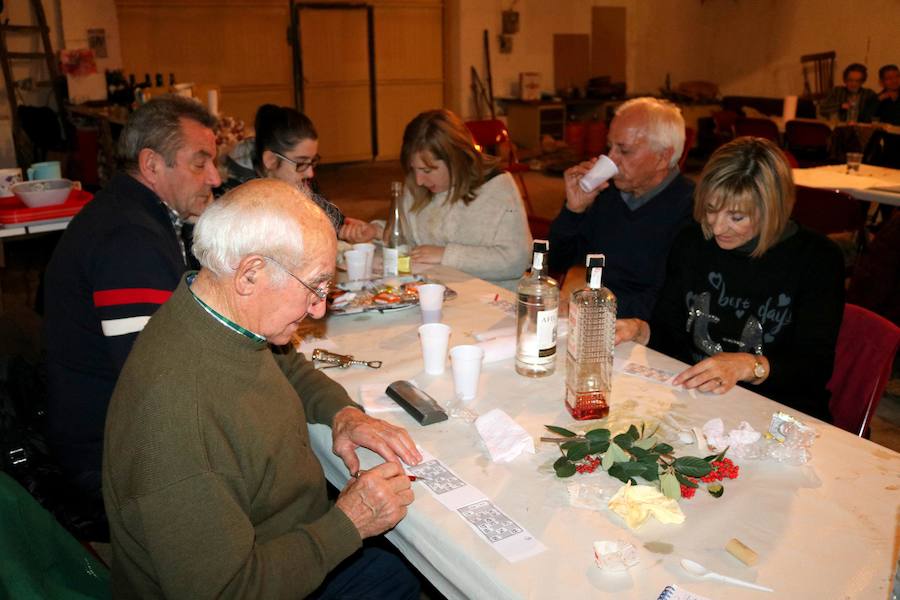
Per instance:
(751,175)
(441,135)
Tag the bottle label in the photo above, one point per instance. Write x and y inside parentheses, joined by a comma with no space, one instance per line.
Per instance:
(546,332)
(390,262)
(404,264)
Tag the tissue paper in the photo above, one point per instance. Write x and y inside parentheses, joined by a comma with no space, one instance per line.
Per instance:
(504,438)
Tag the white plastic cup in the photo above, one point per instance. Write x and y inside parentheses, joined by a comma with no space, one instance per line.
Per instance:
(369,249)
(466,363)
(431,298)
(854,159)
(356,264)
(435,338)
(603,170)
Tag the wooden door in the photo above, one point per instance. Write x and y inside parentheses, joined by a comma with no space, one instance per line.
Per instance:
(336,87)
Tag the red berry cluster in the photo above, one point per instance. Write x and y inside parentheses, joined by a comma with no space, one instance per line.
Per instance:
(687,491)
(721,469)
(588,465)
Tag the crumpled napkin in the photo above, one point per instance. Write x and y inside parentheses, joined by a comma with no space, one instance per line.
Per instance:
(504,438)
(374,399)
(737,440)
(635,503)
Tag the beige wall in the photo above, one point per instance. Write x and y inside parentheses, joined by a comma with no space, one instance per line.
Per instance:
(748,47)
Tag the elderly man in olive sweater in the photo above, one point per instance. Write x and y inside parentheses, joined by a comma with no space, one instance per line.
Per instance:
(210,484)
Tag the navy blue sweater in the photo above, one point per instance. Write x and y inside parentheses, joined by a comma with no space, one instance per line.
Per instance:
(117,262)
(636,243)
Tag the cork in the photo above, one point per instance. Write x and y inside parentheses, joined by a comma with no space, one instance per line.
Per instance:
(740,551)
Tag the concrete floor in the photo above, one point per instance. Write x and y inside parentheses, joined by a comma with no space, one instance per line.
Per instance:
(362,190)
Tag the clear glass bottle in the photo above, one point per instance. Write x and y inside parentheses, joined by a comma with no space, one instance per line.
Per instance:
(537,305)
(396,237)
(589,356)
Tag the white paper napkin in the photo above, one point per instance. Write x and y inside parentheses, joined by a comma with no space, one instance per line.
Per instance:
(374,400)
(504,438)
(499,348)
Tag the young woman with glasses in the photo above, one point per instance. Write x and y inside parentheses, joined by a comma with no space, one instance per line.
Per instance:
(286,147)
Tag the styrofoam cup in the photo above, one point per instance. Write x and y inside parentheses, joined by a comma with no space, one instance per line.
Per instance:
(466,364)
(369,249)
(603,170)
(431,298)
(356,264)
(435,338)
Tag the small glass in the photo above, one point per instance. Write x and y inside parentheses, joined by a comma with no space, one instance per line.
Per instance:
(854,159)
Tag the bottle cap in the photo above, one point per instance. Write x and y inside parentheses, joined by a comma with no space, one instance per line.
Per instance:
(541,246)
(594,271)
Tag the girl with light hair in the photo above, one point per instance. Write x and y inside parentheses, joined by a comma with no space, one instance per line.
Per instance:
(462,210)
(750,297)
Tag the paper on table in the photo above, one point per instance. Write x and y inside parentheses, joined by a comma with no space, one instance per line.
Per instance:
(504,438)
(374,399)
(499,348)
(512,541)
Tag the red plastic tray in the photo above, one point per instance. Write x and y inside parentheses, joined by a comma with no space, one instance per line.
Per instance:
(14,212)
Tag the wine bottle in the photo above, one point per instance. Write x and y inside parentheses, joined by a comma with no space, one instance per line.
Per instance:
(396,237)
(537,303)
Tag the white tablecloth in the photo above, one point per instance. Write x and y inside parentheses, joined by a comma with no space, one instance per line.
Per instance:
(878,184)
(823,530)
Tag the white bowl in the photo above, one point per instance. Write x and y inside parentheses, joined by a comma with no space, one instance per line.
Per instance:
(44,192)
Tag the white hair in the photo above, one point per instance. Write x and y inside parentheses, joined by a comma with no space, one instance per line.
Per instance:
(261,217)
(665,125)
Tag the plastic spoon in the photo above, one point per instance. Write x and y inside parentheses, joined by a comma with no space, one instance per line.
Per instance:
(699,570)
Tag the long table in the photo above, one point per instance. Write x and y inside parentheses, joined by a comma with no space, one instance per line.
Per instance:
(870,183)
(827,529)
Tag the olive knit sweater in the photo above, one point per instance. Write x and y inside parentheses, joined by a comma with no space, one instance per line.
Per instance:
(210,484)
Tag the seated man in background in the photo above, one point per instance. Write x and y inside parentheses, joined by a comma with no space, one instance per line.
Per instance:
(211,486)
(118,260)
(888,110)
(850,102)
(634,219)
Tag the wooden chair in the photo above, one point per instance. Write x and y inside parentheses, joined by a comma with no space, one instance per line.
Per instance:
(808,141)
(821,67)
(492,137)
(864,358)
(764,128)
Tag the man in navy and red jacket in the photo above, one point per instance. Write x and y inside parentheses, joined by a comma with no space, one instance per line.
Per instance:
(118,261)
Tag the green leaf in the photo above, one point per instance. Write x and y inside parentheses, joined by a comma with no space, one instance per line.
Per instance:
(624,440)
(692,466)
(668,485)
(578,451)
(609,459)
(663,449)
(624,471)
(569,444)
(684,480)
(618,455)
(651,471)
(715,490)
(634,433)
(563,467)
(599,447)
(561,431)
(598,435)
(645,443)
(643,455)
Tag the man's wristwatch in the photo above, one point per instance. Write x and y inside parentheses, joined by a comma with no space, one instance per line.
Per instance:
(759,368)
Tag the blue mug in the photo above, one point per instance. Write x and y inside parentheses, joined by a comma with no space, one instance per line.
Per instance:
(44,170)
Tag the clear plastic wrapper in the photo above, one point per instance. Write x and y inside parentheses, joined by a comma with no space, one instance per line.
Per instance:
(615,555)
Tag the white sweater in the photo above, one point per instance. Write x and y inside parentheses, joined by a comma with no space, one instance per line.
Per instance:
(488,238)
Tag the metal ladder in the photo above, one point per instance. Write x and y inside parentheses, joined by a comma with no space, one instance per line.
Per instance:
(19,137)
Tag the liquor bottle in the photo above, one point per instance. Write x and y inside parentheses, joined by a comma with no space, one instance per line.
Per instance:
(396,238)
(592,334)
(537,304)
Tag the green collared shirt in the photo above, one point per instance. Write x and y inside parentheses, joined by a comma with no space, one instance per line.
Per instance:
(220,317)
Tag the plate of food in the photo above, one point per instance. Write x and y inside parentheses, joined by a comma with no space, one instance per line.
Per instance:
(382,295)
